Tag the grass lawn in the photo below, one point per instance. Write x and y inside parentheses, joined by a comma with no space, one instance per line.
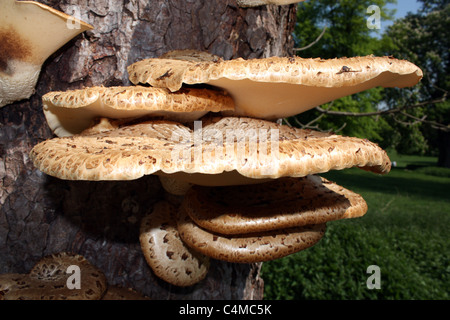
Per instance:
(405,233)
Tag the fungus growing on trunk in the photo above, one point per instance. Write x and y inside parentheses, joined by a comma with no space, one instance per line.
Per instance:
(71,112)
(249,248)
(277,204)
(29,33)
(248,187)
(49,278)
(227,151)
(272,88)
(164,251)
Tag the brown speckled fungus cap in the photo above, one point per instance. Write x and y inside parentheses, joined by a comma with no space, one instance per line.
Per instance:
(70,112)
(47,280)
(115,292)
(160,147)
(278,204)
(30,32)
(248,248)
(165,252)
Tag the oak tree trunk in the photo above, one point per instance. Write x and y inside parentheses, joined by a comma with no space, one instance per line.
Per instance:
(40,215)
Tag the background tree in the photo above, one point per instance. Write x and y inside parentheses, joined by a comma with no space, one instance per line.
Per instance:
(415,120)
(423,38)
(343,31)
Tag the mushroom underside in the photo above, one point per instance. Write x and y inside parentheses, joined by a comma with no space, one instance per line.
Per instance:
(244,224)
(71,112)
(275,87)
(165,252)
(256,223)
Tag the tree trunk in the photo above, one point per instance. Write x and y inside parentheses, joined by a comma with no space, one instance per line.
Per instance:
(40,215)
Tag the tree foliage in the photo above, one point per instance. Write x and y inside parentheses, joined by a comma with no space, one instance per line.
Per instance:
(345,34)
(340,29)
(423,38)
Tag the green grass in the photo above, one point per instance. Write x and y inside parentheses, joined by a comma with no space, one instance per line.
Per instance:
(405,233)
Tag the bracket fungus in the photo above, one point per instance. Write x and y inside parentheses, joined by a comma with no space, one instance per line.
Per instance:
(276,87)
(255,223)
(228,152)
(165,252)
(249,248)
(48,279)
(71,112)
(248,187)
(29,33)
(278,204)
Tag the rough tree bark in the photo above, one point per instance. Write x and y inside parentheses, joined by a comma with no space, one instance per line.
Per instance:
(40,215)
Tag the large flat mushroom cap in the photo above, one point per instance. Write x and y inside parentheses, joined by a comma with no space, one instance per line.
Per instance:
(248,248)
(226,151)
(10,282)
(29,33)
(165,252)
(282,203)
(37,27)
(277,87)
(70,112)
(125,153)
(48,280)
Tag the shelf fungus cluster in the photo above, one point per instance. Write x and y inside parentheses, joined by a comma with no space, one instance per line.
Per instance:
(249,187)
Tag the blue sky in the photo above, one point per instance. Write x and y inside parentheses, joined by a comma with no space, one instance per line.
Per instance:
(402,7)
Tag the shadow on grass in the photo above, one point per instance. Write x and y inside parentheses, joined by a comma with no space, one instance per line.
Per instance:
(416,164)
(398,181)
